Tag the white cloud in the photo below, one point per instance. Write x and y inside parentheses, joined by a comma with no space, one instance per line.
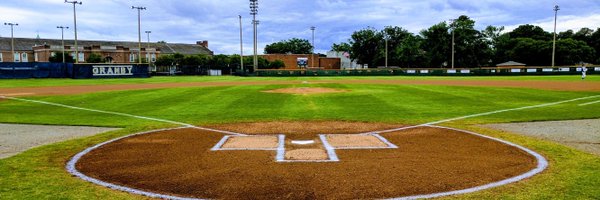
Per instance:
(186,21)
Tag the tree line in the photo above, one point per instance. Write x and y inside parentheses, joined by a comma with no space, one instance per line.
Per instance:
(432,47)
(223,62)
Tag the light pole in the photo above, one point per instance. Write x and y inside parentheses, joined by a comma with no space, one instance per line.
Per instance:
(139,9)
(312,56)
(386,37)
(12,39)
(62,35)
(75,27)
(556,9)
(148,46)
(453,43)
(241,46)
(254,12)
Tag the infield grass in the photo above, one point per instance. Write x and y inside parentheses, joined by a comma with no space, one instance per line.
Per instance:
(39,173)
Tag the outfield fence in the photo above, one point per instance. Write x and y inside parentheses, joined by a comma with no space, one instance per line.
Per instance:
(566,70)
(15,70)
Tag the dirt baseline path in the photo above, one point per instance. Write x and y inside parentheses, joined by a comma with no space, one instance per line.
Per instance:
(65,90)
(427,160)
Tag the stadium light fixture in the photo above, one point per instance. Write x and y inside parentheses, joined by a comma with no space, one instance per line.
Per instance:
(139,9)
(75,27)
(556,9)
(62,36)
(12,39)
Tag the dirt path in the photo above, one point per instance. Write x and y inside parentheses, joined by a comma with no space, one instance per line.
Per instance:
(579,134)
(16,138)
(65,90)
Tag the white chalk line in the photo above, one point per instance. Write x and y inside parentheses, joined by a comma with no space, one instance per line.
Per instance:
(589,103)
(482,114)
(542,164)
(280,157)
(122,114)
(330,150)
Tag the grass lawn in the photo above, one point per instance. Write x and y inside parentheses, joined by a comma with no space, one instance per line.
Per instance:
(39,173)
(173,79)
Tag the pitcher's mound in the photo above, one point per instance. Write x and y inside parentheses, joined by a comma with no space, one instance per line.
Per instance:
(305,90)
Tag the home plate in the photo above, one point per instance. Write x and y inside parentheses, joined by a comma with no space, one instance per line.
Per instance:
(303,142)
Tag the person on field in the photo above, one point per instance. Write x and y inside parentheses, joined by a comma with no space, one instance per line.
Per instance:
(583,71)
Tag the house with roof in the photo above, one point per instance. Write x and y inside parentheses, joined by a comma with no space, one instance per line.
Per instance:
(40,50)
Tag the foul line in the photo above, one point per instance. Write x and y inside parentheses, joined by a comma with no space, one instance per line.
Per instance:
(483,114)
(122,114)
(589,103)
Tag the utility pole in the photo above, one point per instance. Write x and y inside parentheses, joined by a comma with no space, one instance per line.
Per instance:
(453,43)
(556,9)
(12,39)
(62,33)
(241,46)
(386,49)
(312,56)
(254,12)
(139,9)
(148,47)
(75,25)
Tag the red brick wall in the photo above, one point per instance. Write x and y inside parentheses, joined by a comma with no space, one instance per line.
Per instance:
(291,60)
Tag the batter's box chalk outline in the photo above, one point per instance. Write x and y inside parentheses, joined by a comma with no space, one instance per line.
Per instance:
(219,145)
(388,144)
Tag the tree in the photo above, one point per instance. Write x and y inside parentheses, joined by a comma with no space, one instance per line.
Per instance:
(95,58)
(291,46)
(277,64)
(531,31)
(58,58)
(342,47)
(365,46)
(437,43)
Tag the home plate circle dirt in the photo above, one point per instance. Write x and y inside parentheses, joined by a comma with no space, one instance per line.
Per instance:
(266,164)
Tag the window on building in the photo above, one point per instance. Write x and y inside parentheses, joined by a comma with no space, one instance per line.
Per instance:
(147,56)
(17,57)
(1,57)
(81,57)
(153,57)
(35,57)
(131,58)
(24,57)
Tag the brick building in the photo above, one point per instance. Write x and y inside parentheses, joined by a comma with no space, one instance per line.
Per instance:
(291,61)
(40,50)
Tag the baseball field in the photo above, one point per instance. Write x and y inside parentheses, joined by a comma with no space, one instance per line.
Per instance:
(302,138)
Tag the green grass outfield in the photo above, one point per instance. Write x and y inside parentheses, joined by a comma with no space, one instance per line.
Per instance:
(39,173)
(178,79)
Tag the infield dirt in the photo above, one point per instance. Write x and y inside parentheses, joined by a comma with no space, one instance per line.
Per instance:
(428,160)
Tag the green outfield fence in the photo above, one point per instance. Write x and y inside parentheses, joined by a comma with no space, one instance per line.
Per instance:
(566,70)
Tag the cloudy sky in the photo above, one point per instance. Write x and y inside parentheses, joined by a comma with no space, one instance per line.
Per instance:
(187,21)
